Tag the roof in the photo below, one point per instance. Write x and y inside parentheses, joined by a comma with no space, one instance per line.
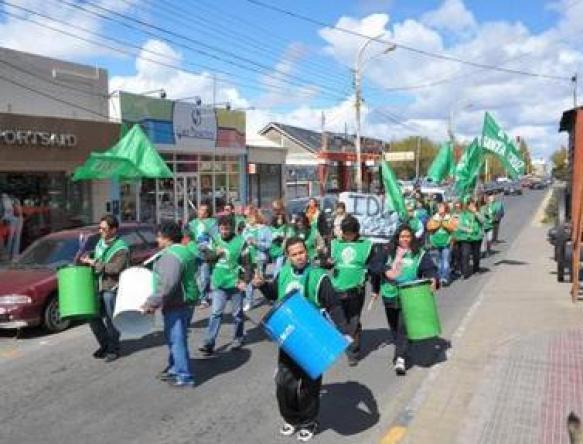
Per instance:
(568,119)
(312,140)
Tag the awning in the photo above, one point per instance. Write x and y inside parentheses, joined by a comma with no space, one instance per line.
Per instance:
(133,157)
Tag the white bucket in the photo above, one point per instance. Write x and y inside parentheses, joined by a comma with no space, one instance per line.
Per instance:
(136,285)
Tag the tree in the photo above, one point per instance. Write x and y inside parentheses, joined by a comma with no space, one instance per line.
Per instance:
(406,169)
(559,159)
(524,150)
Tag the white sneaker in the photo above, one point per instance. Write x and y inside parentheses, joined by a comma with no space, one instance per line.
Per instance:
(400,368)
(287,429)
(307,433)
(246,306)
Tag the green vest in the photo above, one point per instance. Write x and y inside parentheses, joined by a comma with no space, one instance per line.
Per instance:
(409,272)
(225,273)
(350,263)
(309,238)
(187,261)
(308,282)
(488,215)
(415,224)
(104,252)
(199,227)
(468,220)
(252,232)
(276,249)
(441,237)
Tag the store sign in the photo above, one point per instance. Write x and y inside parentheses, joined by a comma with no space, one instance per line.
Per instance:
(194,125)
(37,138)
(399,156)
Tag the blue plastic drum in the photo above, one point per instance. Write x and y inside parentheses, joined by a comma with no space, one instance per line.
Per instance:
(310,339)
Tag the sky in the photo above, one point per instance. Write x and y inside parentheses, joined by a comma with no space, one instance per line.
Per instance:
(291,70)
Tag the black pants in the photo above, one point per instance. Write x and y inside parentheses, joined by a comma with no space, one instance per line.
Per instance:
(397,326)
(352,302)
(102,326)
(456,258)
(495,229)
(470,249)
(298,396)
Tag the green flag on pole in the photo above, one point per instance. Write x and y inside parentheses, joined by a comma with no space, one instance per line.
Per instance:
(443,164)
(394,200)
(497,142)
(468,169)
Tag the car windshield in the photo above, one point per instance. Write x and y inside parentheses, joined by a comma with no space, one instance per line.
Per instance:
(52,253)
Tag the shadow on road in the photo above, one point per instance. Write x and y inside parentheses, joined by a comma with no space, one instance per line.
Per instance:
(131,346)
(427,352)
(205,369)
(372,340)
(509,262)
(348,408)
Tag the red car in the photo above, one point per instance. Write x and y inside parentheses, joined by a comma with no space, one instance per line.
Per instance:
(28,285)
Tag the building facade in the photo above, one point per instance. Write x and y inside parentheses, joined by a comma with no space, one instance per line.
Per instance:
(265,171)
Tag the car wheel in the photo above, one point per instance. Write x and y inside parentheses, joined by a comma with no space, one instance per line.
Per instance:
(52,317)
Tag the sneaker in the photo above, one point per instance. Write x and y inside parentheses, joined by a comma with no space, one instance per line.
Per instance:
(100,353)
(352,361)
(237,344)
(206,350)
(287,429)
(205,304)
(246,306)
(165,376)
(308,432)
(400,368)
(110,357)
(181,383)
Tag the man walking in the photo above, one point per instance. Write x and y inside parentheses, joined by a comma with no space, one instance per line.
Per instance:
(111,257)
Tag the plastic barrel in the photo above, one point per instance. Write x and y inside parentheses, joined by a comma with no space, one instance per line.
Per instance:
(77,296)
(419,310)
(136,284)
(305,334)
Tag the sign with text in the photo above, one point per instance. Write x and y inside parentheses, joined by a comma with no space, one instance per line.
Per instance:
(376,222)
(399,156)
(37,138)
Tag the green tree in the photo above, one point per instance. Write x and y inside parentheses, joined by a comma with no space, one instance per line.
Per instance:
(559,159)
(406,169)
(525,151)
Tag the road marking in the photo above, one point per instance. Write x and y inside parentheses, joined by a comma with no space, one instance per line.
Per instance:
(395,435)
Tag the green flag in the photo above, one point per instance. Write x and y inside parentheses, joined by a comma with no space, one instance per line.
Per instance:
(442,165)
(468,169)
(132,157)
(497,142)
(394,200)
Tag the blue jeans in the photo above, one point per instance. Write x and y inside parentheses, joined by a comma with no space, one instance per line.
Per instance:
(176,332)
(442,257)
(102,326)
(277,264)
(204,279)
(220,298)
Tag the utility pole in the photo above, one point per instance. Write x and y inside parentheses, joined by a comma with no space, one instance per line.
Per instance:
(574,81)
(417,157)
(357,104)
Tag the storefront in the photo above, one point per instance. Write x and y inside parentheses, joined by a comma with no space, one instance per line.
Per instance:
(265,171)
(37,158)
(203,146)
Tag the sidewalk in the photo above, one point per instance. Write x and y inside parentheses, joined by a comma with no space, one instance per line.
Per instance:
(516,366)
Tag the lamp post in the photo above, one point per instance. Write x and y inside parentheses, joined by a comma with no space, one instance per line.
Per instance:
(358,69)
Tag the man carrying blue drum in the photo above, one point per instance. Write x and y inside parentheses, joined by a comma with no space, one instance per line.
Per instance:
(110,259)
(298,396)
(350,256)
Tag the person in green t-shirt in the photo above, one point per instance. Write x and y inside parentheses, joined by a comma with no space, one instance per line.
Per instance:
(440,228)
(227,284)
(469,233)
(487,212)
(413,222)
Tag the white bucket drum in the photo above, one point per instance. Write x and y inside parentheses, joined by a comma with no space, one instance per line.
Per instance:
(136,285)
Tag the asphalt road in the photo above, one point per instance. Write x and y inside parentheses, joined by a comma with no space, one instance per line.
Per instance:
(53,391)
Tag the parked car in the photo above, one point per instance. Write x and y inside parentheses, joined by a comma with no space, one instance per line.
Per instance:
(512,188)
(297,206)
(28,285)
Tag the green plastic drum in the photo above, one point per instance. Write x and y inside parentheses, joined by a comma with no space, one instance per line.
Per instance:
(419,310)
(77,296)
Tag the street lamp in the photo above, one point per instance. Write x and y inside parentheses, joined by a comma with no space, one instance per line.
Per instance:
(358,68)
(452,110)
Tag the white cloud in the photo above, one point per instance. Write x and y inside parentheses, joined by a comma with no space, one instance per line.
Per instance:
(150,76)
(452,16)
(27,36)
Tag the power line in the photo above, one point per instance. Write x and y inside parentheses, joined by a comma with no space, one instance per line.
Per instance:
(403,46)
(140,50)
(255,66)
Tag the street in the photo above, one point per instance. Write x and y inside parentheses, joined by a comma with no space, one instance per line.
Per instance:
(53,391)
